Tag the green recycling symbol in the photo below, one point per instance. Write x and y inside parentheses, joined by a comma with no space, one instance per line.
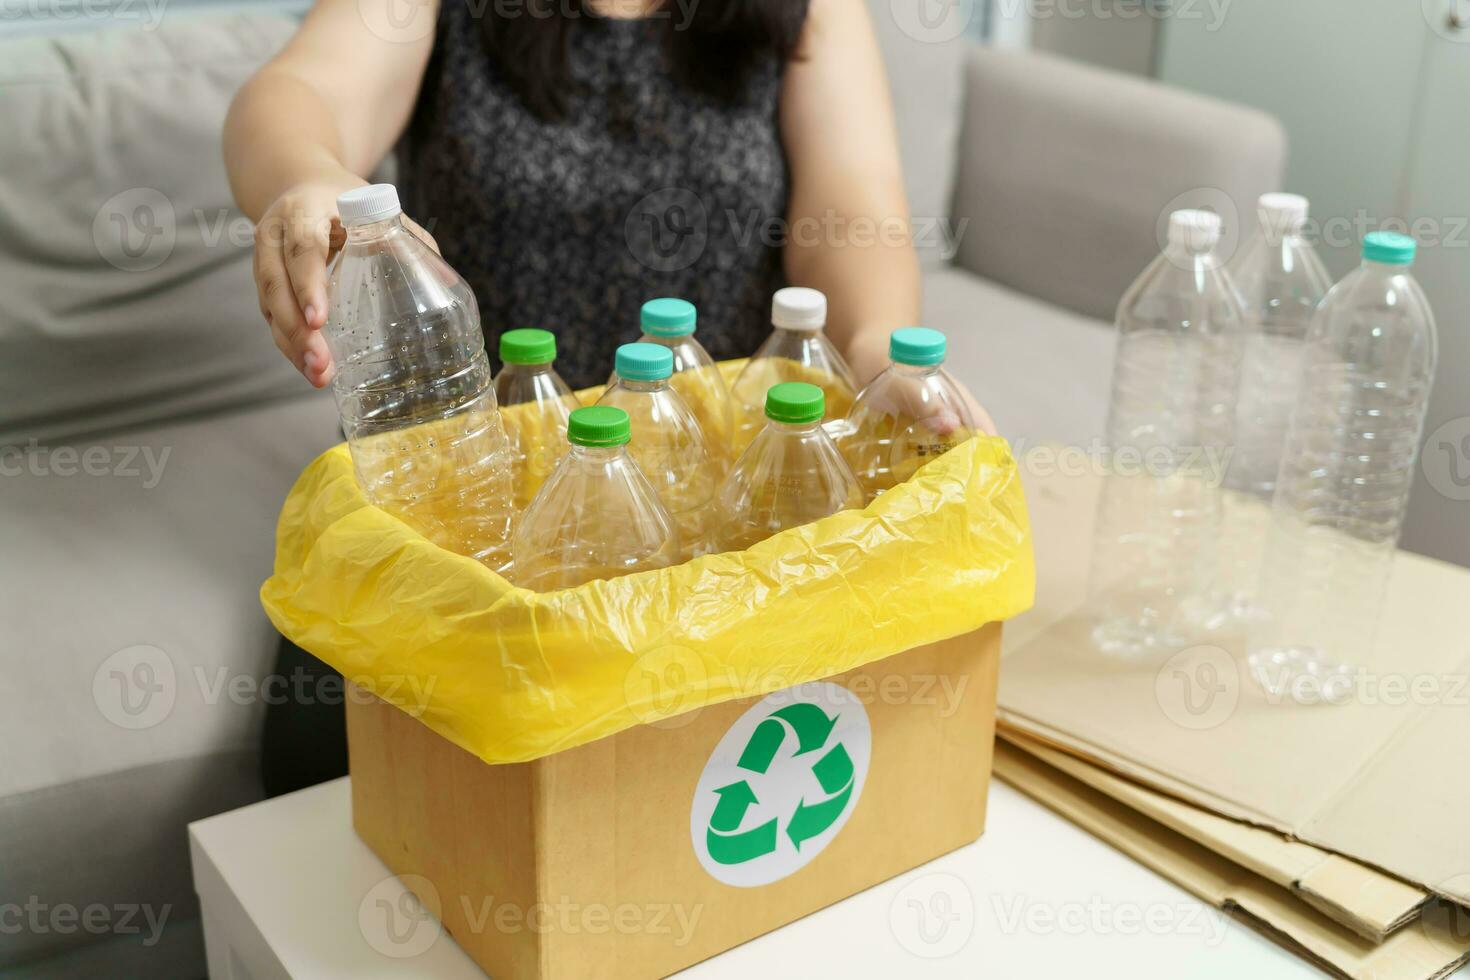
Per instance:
(811,727)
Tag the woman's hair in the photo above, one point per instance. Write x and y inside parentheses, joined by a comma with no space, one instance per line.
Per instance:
(711,43)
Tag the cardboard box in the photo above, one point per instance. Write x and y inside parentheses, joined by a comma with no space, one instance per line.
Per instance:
(645,852)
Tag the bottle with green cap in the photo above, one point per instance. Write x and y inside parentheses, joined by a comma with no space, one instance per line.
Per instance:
(670,323)
(791,473)
(669,443)
(597,516)
(537,425)
(911,413)
(796,350)
(1350,458)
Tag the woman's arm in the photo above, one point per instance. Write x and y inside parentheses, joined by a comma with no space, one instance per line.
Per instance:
(849,232)
(306,127)
(849,217)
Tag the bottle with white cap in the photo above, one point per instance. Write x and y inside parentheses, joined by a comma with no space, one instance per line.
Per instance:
(413,384)
(1155,562)
(1347,467)
(796,350)
(1281,281)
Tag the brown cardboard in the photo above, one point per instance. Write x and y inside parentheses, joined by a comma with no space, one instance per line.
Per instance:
(1367,901)
(603,831)
(1426,950)
(1377,780)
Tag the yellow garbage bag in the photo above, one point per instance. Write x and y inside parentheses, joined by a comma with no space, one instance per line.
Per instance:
(512,675)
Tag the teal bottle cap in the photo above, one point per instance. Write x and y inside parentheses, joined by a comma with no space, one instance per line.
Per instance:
(795,403)
(668,317)
(644,362)
(598,426)
(1389,247)
(918,346)
(527,347)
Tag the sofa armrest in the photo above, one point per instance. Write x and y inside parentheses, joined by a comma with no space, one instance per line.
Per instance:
(1067,173)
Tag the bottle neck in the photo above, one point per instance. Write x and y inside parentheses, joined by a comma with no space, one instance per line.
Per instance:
(643,386)
(370,230)
(914,370)
(598,454)
(794,428)
(529,369)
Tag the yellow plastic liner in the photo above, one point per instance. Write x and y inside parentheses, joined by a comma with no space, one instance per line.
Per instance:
(512,675)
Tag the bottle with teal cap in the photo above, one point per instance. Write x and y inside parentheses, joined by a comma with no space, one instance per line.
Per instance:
(911,413)
(668,443)
(597,516)
(791,473)
(670,322)
(537,425)
(1349,461)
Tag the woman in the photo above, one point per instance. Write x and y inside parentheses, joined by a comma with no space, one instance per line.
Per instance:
(573,158)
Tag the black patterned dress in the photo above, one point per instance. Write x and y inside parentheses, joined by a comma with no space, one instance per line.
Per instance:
(646,189)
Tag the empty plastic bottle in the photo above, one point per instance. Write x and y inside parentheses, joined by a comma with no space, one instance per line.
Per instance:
(791,474)
(796,350)
(668,442)
(1155,562)
(670,323)
(1346,471)
(596,517)
(1281,281)
(538,430)
(909,414)
(413,384)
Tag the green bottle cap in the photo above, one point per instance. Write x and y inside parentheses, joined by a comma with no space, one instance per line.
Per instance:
(1388,247)
(527,347)
(917,346)
(644,362)
(668,317)
(598,426)
(795,403)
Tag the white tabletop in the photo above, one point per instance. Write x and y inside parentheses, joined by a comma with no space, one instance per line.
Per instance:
(289,891)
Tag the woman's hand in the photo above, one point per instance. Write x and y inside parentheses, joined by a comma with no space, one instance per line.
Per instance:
(867,360)
(295,239)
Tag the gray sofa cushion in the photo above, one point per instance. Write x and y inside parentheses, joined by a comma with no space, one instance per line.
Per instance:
(1041,371)
(1068,173)
(141,572)
(125,292)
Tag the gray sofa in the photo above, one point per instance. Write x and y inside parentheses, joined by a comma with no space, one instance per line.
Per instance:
(150,430)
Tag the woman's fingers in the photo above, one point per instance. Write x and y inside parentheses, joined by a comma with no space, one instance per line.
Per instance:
(307,245)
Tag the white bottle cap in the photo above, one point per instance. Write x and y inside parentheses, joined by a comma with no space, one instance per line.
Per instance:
(1197,231)
(1282,214)
(799,308)
(364,205)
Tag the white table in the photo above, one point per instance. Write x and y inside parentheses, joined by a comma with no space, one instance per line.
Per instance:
(282,884)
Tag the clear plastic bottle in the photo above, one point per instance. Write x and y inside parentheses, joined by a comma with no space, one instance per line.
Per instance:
(796,350)
(597,516)
(1281,281)
(1346,471)
(413,384)
(1155,580)
(670,323)
(791,474)
(537,431)
(909,414)
(668,442)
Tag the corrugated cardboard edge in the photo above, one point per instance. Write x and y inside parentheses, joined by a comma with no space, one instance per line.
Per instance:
(1369,902)
(1427,952)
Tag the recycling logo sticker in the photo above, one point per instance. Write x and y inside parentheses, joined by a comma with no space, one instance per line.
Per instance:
(780,785)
